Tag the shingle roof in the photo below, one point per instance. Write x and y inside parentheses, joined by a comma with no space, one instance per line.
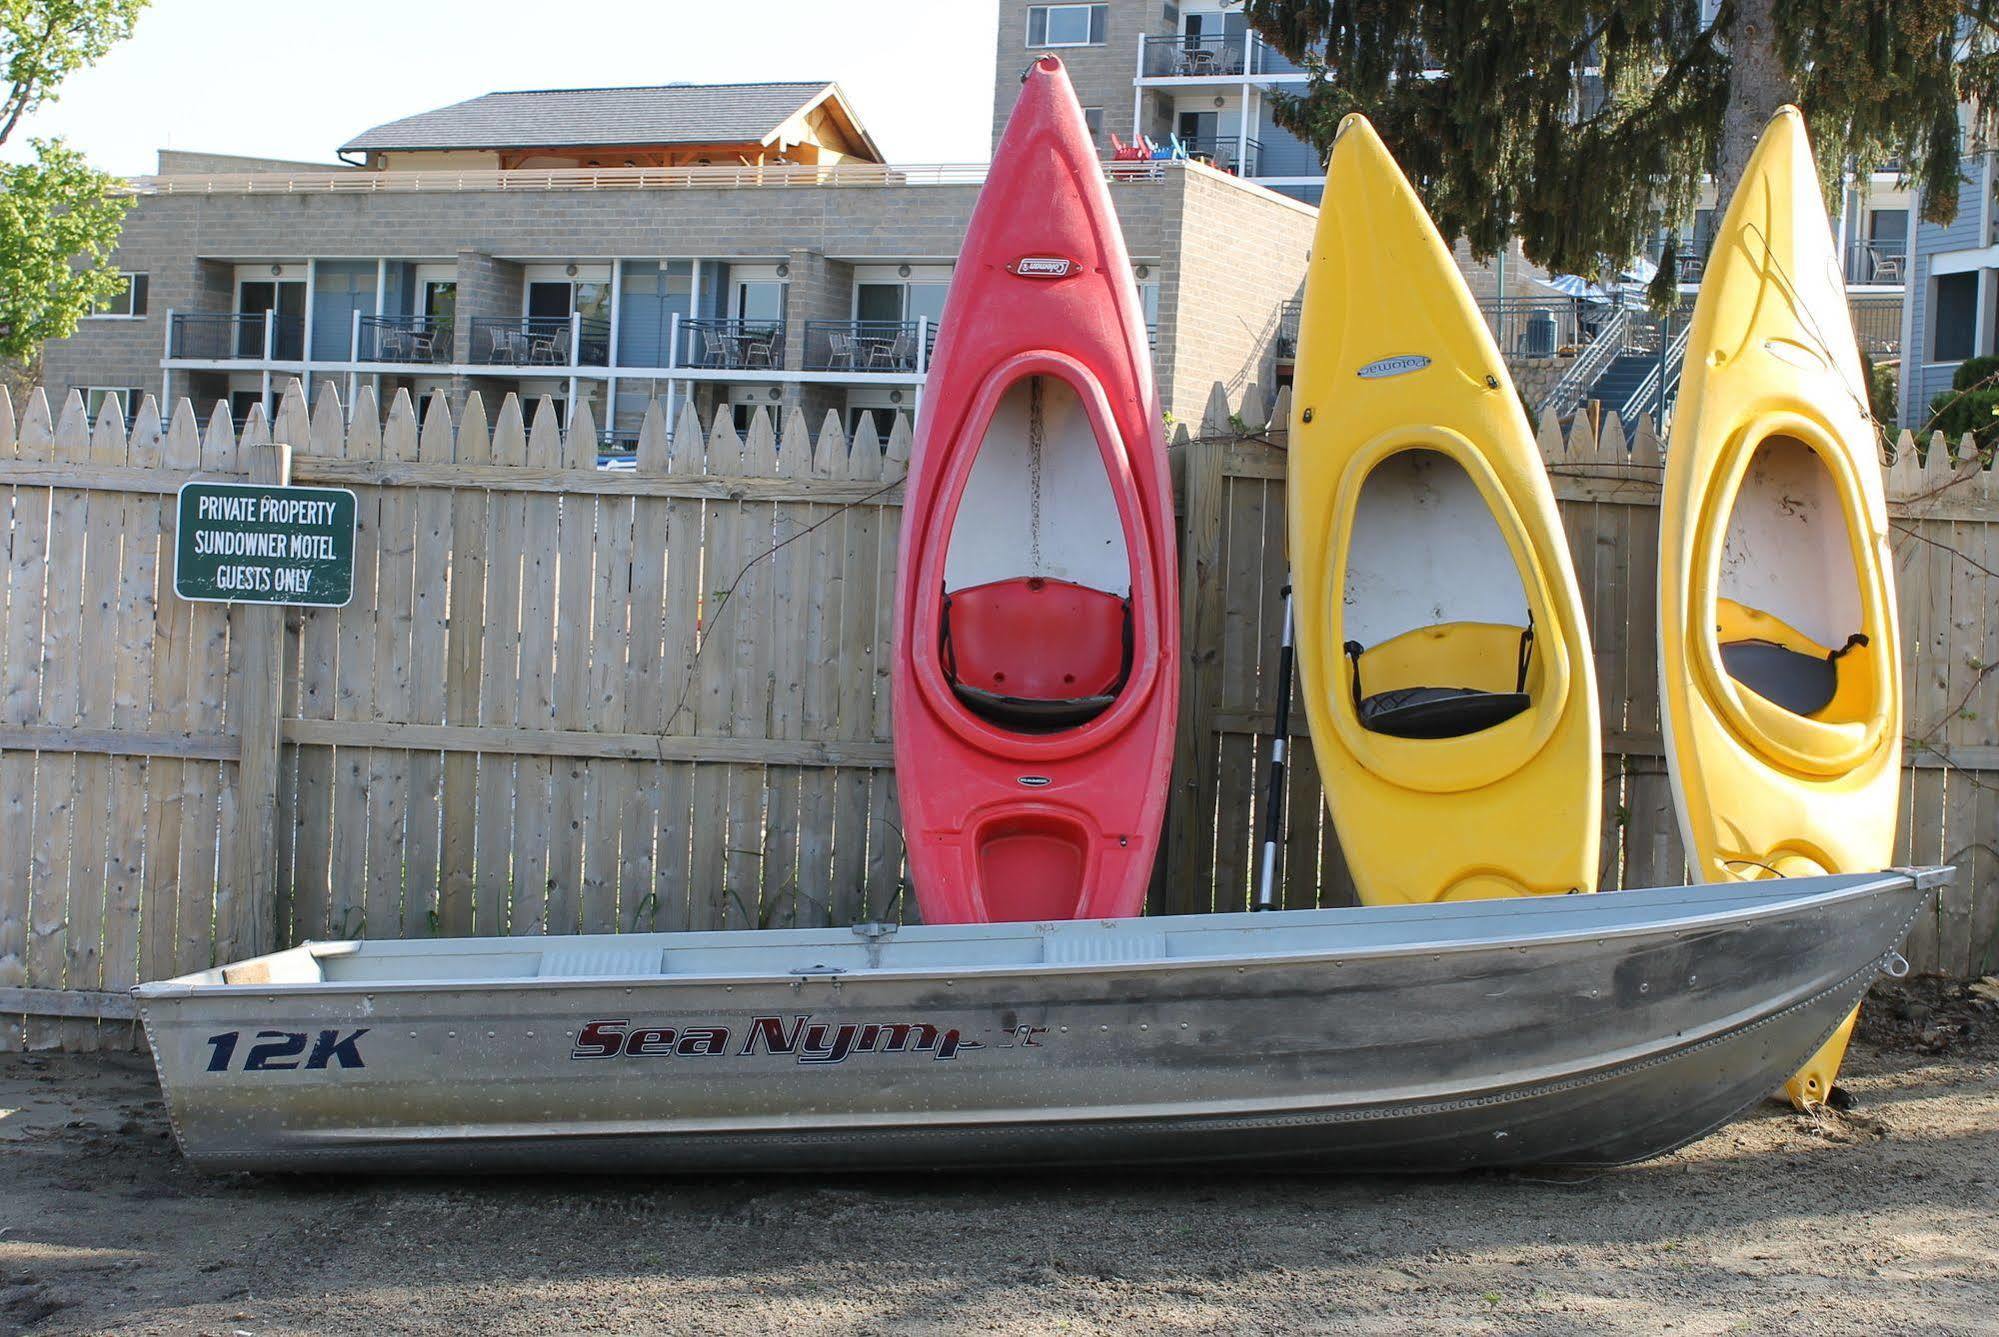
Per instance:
(566,117)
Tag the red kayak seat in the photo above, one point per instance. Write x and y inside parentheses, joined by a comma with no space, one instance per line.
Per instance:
(1034,654)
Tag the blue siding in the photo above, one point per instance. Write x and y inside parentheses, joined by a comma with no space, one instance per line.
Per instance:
(1923,380)
(651,296)
(340,288)
(1269,60)
(1284,154)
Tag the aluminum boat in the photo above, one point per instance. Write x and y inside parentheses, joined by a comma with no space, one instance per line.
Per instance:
(1570,1030)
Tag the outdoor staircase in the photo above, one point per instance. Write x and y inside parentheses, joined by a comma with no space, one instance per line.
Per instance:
(1622,378)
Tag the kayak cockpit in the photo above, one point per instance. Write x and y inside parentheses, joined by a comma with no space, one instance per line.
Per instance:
(1035,630)
(1441,635)
(1788,612)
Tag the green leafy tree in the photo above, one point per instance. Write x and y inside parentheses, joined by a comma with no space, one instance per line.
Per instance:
(1583,127)
(59,217)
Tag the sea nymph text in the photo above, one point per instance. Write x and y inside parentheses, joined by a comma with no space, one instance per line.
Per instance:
(797,1037)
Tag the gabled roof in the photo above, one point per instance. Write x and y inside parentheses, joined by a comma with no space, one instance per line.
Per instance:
(579,117)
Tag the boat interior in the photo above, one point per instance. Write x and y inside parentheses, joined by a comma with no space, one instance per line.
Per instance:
(1788,612)
(1440,638)
(1036,629)
(790,955)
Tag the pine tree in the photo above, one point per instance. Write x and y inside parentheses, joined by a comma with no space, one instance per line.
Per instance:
(1583,127)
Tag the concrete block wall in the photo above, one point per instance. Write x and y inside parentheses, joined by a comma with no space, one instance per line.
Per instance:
(819,289)
(1241,254)
(487,288)
(1102,75)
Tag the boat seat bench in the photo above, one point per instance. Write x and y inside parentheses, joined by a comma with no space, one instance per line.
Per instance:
(1035,654)
(1421,711)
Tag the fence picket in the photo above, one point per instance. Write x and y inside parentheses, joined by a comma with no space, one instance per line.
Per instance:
(548,597)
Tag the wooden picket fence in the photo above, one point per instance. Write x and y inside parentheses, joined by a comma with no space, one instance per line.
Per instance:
(566,699)
(1944,509)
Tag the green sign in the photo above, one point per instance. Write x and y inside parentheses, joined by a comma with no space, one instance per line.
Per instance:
(266,545)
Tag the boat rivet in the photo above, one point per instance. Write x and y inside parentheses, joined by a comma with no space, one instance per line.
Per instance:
(451,1035)
(412,1035)
(1143,1027)
(1307,415)
(1183,1025)
(1103,1028)
(1065,1030)
(1645,988)
(530,1035)
(489,1035)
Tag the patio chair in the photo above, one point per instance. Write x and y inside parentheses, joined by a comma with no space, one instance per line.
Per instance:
(760,348)
(842,356)
(392,345)
(1887,268)
(714,349)
(503,345)
(890,354)
(548,348)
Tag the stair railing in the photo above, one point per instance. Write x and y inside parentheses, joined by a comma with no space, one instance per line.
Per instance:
(1567,392)
(1660,383)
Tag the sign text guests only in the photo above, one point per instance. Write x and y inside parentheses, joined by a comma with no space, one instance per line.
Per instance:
(238,543)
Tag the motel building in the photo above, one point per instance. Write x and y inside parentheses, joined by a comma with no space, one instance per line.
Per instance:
(739,245)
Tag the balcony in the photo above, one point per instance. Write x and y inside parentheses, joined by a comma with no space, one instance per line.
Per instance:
(1227,153)
(733,345)
(1877,325)
(541,341)
(1875,262)
(236,336)
(421,340)
(889,347)
(1212,56)
(1287,329)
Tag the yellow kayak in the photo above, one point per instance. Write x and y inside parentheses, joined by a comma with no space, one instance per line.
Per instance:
(1440,637)
(1778,661)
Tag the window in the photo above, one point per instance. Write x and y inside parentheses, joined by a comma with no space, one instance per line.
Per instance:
(1094,118)
(129,300)
(1953,316)
(1067,25)
(94,397)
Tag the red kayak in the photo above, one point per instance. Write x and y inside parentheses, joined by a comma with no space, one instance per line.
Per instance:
(1036,671)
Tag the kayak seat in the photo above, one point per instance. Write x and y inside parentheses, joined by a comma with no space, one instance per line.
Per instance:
(1780,663)
(1034,654)
(1466,652)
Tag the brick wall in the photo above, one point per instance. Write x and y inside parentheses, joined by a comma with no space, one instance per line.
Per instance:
(1102,75)
(1240,255)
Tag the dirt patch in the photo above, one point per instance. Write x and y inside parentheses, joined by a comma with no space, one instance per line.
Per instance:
(1881,1220)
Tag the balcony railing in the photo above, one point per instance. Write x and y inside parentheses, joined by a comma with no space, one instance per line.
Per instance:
(1536,327)
(232,336)
(413,339)
(732,344)
(541,341)
(886,346)
(1210,56)
(1227,153)
(1875,262)
(1287,328)
(1877,325)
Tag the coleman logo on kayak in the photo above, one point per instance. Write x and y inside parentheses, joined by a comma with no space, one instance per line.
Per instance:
(1043,267)
(1393,366)
(808,1041)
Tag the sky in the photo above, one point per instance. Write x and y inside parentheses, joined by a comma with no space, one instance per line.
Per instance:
(290,79)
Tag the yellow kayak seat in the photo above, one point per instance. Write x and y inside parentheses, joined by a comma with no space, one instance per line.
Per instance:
(1397,686)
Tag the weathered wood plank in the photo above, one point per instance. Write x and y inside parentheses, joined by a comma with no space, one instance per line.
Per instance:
(423,838)
(573,576)
(388,672)
(464,675)
(534,682)
(499,696)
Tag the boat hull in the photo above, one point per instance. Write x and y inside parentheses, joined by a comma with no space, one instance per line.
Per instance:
(1580,1030)
(1773,500)
(1422,526)
(1003,822)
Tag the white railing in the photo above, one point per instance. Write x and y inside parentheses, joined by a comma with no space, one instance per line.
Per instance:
(740,177)
(1660,382)
(1589,364)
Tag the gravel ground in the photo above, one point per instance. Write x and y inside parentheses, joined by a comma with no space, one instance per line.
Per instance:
(1881,1219)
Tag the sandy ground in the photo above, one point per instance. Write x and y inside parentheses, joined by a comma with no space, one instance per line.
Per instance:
(1879,1220)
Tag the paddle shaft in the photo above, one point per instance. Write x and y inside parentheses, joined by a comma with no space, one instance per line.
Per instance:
(1273,808)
